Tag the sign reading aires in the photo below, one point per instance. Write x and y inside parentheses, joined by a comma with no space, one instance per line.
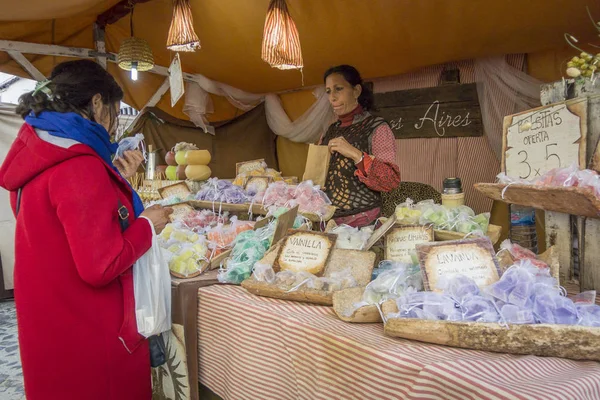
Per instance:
(401,240)
(538,140)
(303,251)
(437,112)
(473,258)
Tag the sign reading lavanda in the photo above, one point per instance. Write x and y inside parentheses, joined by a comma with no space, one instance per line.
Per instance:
(545,138)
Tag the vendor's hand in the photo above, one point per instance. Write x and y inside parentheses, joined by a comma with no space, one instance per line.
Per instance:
(159,216)
(129,163)
(342,146)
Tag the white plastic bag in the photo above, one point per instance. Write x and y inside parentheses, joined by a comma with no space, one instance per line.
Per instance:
(152,291)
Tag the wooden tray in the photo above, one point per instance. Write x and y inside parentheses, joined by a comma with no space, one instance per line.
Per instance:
(567,200)
(343,305)
(257,209)
(565,341)
(361,262)
(494,232)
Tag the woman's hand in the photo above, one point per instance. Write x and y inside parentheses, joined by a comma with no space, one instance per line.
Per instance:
(129,163)
(342,146)
(159,216)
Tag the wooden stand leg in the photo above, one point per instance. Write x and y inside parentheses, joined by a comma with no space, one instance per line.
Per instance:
(559,234)
(589,275)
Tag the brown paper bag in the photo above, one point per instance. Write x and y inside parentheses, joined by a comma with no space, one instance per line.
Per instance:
(317,164)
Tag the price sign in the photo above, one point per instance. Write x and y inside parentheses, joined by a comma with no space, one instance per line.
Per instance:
(539,140)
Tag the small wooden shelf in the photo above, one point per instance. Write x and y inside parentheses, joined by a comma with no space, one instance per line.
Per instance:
(567,200)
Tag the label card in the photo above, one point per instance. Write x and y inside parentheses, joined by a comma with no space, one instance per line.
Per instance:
(176,80)
(303,251)
(248,166)
(474,258)
(401,240)
(180,211)
(180,189)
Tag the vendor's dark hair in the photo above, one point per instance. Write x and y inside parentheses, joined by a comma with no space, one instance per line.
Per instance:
(351,74)
(71,88)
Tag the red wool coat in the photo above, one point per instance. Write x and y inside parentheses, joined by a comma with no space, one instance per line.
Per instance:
(73,277)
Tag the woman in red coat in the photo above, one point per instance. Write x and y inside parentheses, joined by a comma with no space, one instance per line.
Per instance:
(73,277)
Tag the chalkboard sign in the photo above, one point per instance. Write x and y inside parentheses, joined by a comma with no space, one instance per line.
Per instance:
(437,112)
(538,140)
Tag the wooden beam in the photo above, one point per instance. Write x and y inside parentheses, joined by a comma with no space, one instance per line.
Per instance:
(100,45)
(116,12)
(158,95)
(27,65)
(52,50)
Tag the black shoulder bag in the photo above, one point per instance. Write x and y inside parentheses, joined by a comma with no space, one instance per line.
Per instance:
(158,353)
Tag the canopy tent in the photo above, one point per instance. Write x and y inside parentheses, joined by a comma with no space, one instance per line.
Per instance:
(380,37)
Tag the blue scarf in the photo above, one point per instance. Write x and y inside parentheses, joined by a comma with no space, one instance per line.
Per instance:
(73,126)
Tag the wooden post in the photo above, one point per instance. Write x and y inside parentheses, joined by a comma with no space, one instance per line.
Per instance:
(100,45)
(558,233)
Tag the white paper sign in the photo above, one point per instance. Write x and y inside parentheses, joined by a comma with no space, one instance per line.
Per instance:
(541,140)
(176,80)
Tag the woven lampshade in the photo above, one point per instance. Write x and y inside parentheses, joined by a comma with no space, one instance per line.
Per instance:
(281,42)
(181,33)
(135,50)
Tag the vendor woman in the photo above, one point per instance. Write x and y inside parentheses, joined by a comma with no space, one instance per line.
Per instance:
(362,147)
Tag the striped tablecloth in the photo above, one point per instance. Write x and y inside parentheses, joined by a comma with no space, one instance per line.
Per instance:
(258,348)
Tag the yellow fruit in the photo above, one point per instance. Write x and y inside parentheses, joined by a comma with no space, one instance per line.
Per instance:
(197,172)
(197,157)
(180,157)
(571,64)
(573,72)
(171,173)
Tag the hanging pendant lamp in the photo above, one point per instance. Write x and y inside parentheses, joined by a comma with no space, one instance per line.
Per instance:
(135,54)
(181,33)
(281,42)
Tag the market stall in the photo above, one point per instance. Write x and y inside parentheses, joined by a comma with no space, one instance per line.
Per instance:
(271,298)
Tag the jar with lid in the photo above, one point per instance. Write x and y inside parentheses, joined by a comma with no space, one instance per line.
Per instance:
(452,195)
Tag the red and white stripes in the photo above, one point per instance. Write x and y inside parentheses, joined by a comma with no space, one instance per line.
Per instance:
(253,347)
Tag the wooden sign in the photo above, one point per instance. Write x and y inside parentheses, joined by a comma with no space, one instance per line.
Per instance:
(258,183)
(380,232)
(180,211)
(437,112)
(474,258)
(248,166)
(285,222)
(303,251)
(180,189)
(402,240)
(538,140)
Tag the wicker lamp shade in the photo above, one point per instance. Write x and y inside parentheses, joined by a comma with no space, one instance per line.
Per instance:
(135,50)
(182,36)
(281,42)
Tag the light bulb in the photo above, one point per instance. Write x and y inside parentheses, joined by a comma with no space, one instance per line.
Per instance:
(134,71)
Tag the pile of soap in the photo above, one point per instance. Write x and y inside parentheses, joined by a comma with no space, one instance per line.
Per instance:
(350,238)
(200,220)
(458,219)
(524,295)
(222,191)
(184,249)
(395,280)
(309,197)
(570,176)
(291,281)
(221,237)
(248,248)
(519,253)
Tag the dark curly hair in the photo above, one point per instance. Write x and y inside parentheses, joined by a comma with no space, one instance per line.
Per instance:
(72,85)
(352,76)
